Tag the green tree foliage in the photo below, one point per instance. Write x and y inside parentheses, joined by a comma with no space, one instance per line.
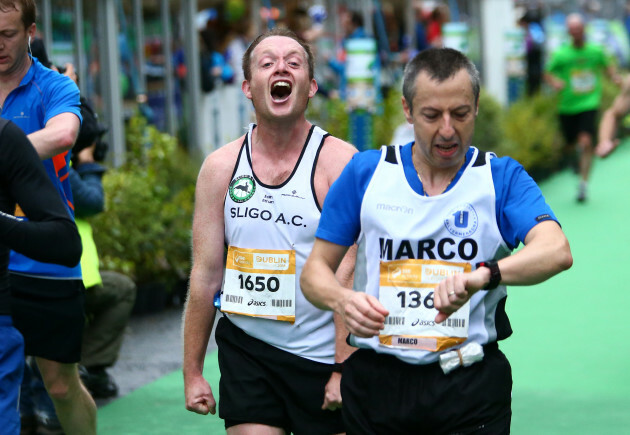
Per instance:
(532,136)
(489,131)
(146,226)
(333,116)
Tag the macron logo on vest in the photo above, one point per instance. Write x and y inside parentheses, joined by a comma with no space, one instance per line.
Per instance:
(394,208)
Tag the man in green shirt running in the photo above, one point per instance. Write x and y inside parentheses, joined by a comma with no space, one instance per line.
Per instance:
(575,70)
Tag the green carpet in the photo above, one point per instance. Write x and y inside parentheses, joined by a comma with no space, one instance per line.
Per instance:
(158,408)
(570,363)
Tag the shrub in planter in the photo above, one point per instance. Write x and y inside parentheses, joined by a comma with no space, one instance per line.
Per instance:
(532,135)
(332,115)
(391,116)
(145,229)
(489,133)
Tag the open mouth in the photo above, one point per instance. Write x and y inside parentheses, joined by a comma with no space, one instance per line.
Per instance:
(446,149)
(280,91)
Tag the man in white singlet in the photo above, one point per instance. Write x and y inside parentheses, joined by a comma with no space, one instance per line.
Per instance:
(260,197)
(435,221)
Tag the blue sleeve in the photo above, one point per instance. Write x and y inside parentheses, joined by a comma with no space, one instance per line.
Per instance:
(87,189)
(61,96)
(421,37)
(336,66)
(340,222)
(520,204)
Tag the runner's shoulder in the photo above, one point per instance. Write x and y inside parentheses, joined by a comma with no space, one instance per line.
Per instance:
(219,165)
(337,149)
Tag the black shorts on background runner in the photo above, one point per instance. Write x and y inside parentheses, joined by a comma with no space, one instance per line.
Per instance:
(262,384)
(572,125)
(384,395)
(50,315)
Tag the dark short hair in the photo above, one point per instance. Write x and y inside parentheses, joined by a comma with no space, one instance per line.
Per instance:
(440,64)
(356,19)
(276,31)
(28,8)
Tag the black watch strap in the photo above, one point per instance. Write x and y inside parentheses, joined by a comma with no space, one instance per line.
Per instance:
(337,367)
(495,274)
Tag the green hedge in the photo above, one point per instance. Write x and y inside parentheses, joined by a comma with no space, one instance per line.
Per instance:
(532,136)
(332,116)
(146,227)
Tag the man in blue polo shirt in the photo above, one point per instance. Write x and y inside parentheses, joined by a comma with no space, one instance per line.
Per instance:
(435,221)
(47,300)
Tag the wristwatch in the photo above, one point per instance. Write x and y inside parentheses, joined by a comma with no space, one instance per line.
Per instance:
(495,274)
(337,367)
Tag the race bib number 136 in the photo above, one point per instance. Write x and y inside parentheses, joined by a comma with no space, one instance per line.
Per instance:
(406,290)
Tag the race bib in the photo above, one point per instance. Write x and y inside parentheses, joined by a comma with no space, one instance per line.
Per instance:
(260,283)
(582,82)
(406,291)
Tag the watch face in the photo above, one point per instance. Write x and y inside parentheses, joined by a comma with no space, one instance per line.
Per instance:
(242,188)
(495,274)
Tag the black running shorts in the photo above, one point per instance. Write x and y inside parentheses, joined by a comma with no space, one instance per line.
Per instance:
(384,395)
(50,315)
(262,384)
(574,124)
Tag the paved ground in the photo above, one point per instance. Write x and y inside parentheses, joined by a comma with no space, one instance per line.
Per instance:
(151,349)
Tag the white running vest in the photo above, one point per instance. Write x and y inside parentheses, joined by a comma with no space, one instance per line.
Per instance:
(457,226)
(270,231)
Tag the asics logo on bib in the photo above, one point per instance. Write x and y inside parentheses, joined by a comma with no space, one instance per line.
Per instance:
(266,215)
(444,249)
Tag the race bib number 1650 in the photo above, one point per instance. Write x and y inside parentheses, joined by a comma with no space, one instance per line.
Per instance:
(260,283)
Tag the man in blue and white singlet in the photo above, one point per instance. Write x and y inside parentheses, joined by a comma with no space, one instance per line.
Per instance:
(435,221)
(260,197)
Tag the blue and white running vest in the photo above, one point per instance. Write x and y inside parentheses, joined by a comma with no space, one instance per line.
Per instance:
(457,226)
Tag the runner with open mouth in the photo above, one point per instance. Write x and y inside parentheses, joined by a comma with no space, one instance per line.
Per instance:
(280,91)
(446,149)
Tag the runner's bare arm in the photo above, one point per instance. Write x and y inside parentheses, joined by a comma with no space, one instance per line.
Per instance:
(609,123)
(344,275)
(334,156)
(553,81)
(206,274)
(546,253)
(57,136)
(611,71)
(363,315)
